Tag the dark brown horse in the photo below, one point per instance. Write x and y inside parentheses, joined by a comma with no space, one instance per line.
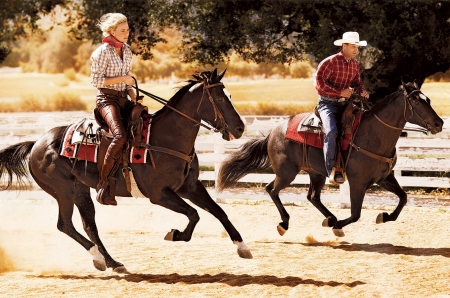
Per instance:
(370,161)
(172,179)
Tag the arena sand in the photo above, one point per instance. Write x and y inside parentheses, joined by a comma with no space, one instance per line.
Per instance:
(407,258)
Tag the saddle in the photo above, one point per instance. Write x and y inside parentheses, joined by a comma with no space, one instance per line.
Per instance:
(312,124)
(96,132)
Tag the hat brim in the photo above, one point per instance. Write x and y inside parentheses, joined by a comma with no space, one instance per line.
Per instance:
(339,42)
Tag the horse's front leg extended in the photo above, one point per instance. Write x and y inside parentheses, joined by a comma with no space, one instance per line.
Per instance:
(391,184)
(197,194)
(170,200)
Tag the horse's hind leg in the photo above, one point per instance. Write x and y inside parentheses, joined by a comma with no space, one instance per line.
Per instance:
(315,189)
(391,184)
(197,194)
(85,206)
(273,189)
(64,195)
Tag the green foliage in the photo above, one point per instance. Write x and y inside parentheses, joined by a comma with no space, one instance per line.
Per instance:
(408,39)
(18,19)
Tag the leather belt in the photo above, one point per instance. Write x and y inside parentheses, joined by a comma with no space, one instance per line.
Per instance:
(342,99)
(113,92)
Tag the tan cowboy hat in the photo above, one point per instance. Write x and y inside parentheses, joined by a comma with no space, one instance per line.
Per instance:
(350,37)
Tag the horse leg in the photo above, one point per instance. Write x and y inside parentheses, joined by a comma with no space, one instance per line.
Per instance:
(170,200)
(64,195)
(273,189)
(315,188)
(85,206)
(357,193)
(391,184)
(197,194)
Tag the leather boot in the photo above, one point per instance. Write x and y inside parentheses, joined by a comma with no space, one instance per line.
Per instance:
(103,187)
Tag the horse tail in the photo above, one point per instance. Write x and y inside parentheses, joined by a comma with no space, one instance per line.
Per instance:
(13,162)
(250,157)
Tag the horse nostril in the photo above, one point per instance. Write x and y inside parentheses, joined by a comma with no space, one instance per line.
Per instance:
(437,124)
(240,129)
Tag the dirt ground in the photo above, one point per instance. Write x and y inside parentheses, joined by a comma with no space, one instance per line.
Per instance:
(407,258)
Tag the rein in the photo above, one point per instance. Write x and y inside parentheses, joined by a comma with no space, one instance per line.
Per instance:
(406,98)
(205,87)
(217,114)
(391,160)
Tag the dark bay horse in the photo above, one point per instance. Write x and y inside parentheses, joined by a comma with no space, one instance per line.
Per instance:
(377,135)
(173,178)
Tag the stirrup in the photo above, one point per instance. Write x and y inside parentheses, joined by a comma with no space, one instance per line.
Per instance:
(335,171)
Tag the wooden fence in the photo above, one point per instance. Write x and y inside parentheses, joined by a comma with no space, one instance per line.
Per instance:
(416,152)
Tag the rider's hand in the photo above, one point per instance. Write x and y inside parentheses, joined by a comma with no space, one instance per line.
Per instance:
(128,79)
(365,94)
(346,92)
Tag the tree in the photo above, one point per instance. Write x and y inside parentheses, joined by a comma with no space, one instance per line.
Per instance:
(408,39)
(18,19)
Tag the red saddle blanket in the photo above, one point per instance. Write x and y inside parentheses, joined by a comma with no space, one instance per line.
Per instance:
(314,139)
(89,152)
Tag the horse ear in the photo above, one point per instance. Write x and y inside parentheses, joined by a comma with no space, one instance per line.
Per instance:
(222,74)
(403,86)
(214,76)
(415,84)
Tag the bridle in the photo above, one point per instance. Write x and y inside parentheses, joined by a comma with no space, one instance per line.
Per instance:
(206,87)
(407,100)
(390,161)
(217,114)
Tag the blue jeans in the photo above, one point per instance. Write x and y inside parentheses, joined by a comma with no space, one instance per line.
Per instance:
(330,111)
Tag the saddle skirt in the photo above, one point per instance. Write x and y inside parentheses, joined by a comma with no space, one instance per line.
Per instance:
(306,128)
(82,140)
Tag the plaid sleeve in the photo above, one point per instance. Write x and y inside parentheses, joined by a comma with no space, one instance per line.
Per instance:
(324,72)
(99,59)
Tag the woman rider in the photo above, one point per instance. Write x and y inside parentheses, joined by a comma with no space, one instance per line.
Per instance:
(111,75)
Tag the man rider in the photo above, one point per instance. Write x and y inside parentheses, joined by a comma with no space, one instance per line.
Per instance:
(337,78)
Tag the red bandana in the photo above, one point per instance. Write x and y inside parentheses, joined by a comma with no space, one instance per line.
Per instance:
(112,41)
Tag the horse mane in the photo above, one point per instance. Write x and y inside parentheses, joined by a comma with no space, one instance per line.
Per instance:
(383,103)
(198,78)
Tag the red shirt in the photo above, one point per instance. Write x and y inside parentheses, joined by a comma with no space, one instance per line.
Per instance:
(335,74)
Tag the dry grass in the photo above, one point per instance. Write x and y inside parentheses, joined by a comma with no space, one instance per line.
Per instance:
(257,97)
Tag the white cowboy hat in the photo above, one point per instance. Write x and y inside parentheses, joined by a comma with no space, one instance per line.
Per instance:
(350,37)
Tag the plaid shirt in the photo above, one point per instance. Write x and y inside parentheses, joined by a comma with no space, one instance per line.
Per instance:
(107,64)
(335,74)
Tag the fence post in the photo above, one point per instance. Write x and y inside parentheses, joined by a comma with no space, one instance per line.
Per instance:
(344,192)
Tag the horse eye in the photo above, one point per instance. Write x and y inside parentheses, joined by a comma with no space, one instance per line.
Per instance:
(221,98)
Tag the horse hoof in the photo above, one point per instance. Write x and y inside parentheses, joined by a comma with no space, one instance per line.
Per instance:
(281,230)
(100,265)
(338,232)
(245,253)
(169,236)
(379,219)
(325,223)
(121,270)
